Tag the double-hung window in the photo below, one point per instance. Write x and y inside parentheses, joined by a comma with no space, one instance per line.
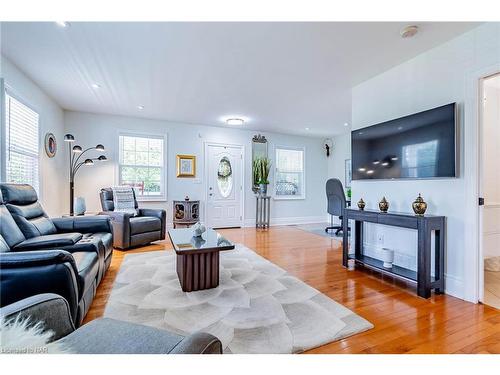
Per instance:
(289,176)
(142,165)
(21,143)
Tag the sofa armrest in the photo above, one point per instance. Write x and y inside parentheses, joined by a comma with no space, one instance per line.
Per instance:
(120,222)
(50,309)
(27,273)
(83,224)
(198,343)
(49,241)
(160,214)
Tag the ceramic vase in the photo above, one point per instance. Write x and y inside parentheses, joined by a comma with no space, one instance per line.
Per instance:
(80,206)
(383,205)
(361,204)
(419,206)
(387,257)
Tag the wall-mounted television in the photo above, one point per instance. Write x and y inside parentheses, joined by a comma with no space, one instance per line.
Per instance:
(422,145)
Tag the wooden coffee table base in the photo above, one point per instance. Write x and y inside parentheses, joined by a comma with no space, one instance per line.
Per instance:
(198,271)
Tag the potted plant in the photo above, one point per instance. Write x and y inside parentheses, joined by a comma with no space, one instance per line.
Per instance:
(263,167)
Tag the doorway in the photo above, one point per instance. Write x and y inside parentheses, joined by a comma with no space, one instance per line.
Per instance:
(489,189)
(224,188)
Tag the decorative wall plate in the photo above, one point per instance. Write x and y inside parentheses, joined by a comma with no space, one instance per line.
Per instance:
(50,145)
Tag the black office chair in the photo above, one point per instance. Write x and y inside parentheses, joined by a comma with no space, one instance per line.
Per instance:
(336,203)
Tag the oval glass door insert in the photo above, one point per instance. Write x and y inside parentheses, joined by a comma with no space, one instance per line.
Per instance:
(225,177)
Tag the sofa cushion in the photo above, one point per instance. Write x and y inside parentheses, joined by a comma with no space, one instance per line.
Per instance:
(49,241)
(32,219)
(143,224)
(4,247)
(9,229)
(22,202)
(109,336)
(87,264)
(105,238)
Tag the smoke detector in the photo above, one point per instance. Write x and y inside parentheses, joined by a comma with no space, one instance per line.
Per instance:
(408,31)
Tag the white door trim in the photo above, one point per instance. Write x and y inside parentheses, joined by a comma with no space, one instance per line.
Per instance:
(470,157)
(206,145)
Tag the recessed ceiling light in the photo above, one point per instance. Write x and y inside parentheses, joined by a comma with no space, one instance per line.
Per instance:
(376,162)
(394,158)
(408,31)
(346,124)
(370,171)
(307,128)
(385,164)
(62,23)
(235,121)
(140,107)
(361,169)
(96,86)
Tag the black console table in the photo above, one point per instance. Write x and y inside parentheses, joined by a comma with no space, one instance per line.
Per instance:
(424,225)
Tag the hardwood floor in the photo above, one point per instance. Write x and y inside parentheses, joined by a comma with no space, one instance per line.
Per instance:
(404,323)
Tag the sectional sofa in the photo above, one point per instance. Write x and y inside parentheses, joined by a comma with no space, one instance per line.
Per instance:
(66,256)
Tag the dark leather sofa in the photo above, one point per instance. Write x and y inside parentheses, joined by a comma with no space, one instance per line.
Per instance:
(130,231)
(68,256)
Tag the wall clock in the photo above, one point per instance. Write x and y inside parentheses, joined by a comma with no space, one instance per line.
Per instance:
(50,145)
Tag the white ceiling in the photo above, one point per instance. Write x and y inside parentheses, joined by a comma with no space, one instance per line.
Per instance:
(283,77)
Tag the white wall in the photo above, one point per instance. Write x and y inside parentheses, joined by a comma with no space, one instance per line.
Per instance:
(341,152)
(439,76)
(491,172)
(90,129)
(51,120)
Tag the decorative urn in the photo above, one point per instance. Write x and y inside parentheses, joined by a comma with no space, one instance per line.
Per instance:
(419,206)
(383,205)
(361,204)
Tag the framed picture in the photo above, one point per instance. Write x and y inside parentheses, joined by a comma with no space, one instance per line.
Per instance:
(348,173)
(186,166)
(50,145)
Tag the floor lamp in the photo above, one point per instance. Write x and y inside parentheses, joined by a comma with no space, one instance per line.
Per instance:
(75,155)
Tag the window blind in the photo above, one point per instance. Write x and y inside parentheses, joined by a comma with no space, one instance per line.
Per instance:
(22,127)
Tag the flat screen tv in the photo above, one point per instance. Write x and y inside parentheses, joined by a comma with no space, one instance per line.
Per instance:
(422,145)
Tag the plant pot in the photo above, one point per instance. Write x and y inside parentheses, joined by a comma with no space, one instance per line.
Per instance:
(263,189)
(387,257)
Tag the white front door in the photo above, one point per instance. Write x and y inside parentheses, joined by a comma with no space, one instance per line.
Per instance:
(224,171)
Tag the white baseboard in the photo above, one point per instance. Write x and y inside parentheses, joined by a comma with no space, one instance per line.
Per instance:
(291,220)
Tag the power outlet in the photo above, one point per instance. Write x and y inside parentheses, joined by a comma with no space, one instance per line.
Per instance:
(380,238)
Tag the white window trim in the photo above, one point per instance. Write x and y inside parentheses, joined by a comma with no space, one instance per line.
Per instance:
(133,133)
(290,198)
(6,89)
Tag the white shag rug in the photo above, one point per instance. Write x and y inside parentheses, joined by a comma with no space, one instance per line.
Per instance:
(257,307)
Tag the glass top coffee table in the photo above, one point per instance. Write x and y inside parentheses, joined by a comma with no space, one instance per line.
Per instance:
(198,257)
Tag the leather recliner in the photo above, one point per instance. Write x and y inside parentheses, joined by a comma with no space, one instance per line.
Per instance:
(68,256)
(131,231)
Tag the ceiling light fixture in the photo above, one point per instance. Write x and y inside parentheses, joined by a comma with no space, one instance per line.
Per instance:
(140,107)
(408,31)
(95,86)
(62,23)
(346,124)
(361,169)
(235,121)
(370,171)
(307,128)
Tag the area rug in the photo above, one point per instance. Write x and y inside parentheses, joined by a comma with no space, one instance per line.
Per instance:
(257,307)
(319,229)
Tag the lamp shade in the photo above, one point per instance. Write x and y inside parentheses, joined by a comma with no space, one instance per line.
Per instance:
(88,162)
(69,138)
(102,158)
(77,149)
(100,147)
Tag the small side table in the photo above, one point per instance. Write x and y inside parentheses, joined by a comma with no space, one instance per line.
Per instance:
(262,211)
